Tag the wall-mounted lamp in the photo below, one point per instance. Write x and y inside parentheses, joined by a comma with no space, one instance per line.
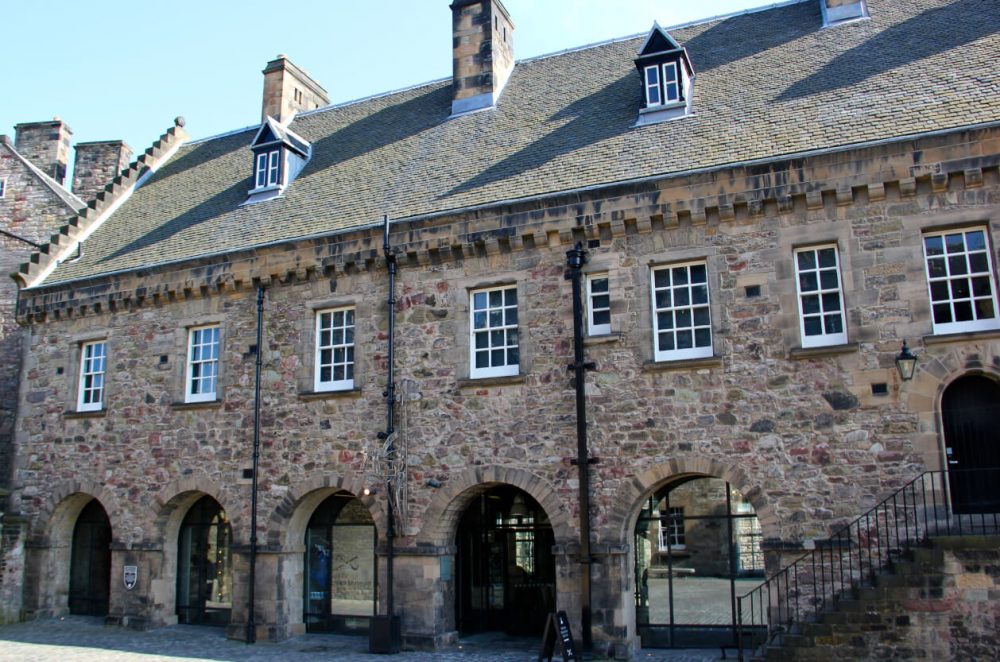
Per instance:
(906,363)
(368,491)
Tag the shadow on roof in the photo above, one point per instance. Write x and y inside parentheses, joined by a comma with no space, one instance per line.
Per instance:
(381,129)
(609,112)
(216,205)
(929,33)
(747,35)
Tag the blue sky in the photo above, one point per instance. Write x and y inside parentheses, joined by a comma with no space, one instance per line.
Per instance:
(125,70)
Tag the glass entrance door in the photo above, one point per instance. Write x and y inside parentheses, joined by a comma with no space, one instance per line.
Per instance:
(697,546)
(204,565)
(340,567)
(505,568)
(90,564)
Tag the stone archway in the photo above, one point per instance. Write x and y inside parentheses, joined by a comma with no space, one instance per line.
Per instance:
(49,547)
(440,520)
(281,605)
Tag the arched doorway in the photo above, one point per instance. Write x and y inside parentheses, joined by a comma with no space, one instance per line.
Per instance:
(505,569)
(340,577)
(970,407)
(90,562)
(204,565)
(697,547)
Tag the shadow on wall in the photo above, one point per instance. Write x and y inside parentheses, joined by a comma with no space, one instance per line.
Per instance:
(930,33)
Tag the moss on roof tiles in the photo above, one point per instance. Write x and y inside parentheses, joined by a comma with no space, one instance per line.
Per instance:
(767,83)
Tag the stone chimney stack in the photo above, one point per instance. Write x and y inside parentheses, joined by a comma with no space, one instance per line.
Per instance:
(96,164)
(288,90)
(482,53)
(46,145)
(839,11)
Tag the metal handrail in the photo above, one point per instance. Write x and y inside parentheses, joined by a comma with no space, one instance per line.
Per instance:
(934,504)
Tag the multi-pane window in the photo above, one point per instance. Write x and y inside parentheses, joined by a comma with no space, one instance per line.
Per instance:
(334,349)
(682,321)
(672,529)
(821,299)
(268,168)
(202,364)
(598,305)
(960,281)
(653,97)
(494,345)
(93,363)
(662,84)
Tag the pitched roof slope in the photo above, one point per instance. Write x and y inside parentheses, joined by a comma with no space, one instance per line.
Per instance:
(769,83)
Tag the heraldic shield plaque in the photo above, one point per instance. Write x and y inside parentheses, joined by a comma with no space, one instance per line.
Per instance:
(130,576)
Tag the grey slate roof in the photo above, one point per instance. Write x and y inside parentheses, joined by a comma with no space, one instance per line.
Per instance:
(767,84)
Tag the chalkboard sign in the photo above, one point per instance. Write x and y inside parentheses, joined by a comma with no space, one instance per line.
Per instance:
(557,632)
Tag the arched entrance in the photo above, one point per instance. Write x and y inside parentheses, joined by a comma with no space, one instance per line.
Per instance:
(970,407)
(90,562)
(697,547)
(340,577)
(204,565)
(505,571)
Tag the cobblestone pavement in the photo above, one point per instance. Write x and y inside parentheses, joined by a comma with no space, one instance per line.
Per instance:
(84,639)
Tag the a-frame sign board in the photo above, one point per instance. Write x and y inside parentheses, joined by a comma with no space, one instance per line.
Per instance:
(557,634)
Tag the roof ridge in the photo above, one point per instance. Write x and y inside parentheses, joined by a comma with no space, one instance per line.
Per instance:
(41,263)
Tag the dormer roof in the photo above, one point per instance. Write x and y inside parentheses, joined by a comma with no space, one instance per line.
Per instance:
(271,132)
(660,46)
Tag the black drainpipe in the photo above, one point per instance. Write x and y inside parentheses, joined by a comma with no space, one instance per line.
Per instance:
(390,450)
(251,630)
(575,259)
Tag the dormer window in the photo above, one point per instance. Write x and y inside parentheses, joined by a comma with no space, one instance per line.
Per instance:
(667,78)
(279,154)
(268,168)
(662,86)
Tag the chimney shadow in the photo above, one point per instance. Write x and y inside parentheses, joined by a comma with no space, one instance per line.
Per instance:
(609,112)
(929,33)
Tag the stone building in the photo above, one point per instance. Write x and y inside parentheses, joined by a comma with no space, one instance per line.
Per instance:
(770,204)
(34,203)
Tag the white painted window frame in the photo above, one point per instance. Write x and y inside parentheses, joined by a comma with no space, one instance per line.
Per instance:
(987,276)
(824,339)
(345,345)
(593,307)
(504,327)
(93,371)
(667,82)
(267,169)
(673,530)
(693,352)
(197,334)
(650,86)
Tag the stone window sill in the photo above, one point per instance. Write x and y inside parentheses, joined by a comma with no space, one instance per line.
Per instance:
(819,352)
(100,413)
(210,404)
(328,395)
(683,364)
(605,339)
(492,381)
(992,334)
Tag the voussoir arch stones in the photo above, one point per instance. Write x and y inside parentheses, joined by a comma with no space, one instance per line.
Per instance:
(62,505)
(286,525)
(630,497)
(176,497)
(441,517)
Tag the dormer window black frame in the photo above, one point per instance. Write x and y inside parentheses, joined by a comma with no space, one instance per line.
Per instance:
(667,78)
(279,154)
